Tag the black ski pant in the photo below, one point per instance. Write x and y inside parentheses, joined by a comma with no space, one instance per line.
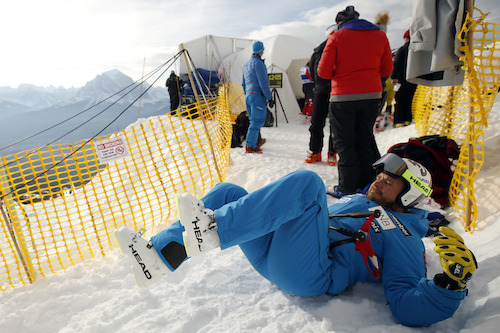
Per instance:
(318,120)
(352,125)
(174,101)
(404,99)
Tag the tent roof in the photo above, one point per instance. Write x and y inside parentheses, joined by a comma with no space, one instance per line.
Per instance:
(283,54)
(283,49)
(279,52)
(208,51)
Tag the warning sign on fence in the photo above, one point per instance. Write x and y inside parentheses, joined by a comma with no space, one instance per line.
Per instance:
(111,149)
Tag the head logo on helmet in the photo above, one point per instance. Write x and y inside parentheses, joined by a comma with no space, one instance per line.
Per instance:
(418,181)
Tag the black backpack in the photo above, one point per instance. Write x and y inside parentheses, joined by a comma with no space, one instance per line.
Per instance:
(438,154)
(240,128)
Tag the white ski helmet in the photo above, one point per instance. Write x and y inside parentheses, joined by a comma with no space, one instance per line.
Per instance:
(418,180)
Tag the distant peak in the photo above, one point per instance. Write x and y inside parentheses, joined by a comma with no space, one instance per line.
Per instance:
(113,72)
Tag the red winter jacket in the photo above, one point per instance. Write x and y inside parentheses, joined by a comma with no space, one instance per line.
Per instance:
(355,58)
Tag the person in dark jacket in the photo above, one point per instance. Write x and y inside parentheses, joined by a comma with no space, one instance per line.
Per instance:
(293,239)
(404,95)
(174,85)
(355,59)
(320,109)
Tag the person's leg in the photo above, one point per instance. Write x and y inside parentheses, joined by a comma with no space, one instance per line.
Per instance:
(266,209)
(172,102)
(257,116)
(169,243)
(248,103)
(399,108)
(320,112)
(411,92)
(331,146)
(175,102)
(282,229)
(366,146)
(343,122)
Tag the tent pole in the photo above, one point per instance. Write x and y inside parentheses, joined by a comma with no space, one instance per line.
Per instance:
(202,112)
(471,157)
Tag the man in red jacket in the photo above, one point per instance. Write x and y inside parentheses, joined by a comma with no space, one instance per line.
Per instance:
(357,59)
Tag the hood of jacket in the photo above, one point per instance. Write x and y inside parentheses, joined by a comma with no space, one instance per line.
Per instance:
(359,24)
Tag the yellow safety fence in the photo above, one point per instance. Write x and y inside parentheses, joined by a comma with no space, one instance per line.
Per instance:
(61,205)
(461,112)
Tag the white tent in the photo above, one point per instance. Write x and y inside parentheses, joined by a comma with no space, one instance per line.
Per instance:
(283,54)
(208,51)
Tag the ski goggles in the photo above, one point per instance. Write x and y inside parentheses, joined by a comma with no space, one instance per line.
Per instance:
(395,166)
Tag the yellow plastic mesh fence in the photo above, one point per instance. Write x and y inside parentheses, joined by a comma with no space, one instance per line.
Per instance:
(461,112)
(235,98)
(60,205)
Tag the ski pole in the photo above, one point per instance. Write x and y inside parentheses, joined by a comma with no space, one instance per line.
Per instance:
(365,214)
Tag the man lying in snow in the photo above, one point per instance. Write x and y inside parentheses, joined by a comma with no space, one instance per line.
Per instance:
(294,240)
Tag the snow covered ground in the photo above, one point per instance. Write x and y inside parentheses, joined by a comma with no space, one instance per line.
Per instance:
(220,292)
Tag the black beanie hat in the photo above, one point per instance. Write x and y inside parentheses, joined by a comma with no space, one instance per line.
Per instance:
(346,15)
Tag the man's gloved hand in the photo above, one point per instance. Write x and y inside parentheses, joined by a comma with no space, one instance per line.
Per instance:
(270,103)
(457,260)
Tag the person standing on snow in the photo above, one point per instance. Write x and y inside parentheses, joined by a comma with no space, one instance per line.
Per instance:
(404,95)
(256,88)
(322,89)
(355,59)
(288,234)
(174,85)
(307,89)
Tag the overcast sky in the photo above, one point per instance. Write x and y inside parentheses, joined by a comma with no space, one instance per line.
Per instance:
(67,43)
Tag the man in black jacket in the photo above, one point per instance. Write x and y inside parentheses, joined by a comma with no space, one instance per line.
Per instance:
(174,84)
(320,109)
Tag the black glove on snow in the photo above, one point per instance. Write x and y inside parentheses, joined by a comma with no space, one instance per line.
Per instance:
(270,103)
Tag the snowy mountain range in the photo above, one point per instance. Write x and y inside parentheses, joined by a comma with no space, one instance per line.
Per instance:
(29,109)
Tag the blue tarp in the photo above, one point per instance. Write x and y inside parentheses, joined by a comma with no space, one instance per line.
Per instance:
(207,76)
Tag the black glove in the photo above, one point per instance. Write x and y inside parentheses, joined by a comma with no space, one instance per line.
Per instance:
(457,260)
(436,220)
(270,103)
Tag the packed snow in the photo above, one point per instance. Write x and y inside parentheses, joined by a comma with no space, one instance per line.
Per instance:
(220,291)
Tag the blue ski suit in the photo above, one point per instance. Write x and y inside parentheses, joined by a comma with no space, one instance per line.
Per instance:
(256,88)
(283,230)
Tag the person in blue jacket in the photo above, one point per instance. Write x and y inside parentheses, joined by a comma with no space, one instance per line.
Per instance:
(293,239)
(257,91)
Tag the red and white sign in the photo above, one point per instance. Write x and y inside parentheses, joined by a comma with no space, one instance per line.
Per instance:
(111,149)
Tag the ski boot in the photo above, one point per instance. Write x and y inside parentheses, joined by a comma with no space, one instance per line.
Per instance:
(379,124)
(201,229)
(313,157)
(147,265)
(253,150)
